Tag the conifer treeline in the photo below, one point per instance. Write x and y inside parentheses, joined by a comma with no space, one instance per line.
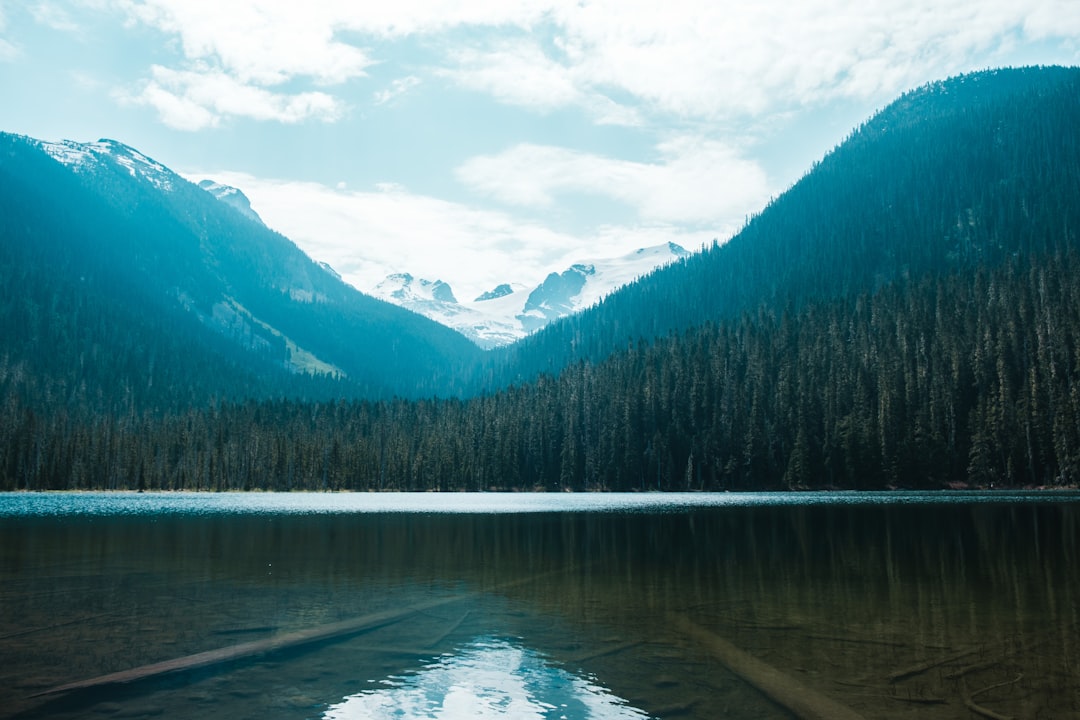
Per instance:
(957,379)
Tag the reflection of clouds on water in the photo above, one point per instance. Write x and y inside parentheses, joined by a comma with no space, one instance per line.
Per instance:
(489,678)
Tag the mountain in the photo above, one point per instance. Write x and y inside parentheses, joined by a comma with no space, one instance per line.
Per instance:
(959,174)
(509,312)
(125,283)
(906,315)
(231,196)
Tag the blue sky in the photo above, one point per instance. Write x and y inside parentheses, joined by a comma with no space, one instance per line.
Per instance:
(486,141)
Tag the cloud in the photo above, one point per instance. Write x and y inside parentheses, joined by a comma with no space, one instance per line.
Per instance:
(8,51)
(625,62)
(264,43)
(235,56)
(193,100)
(519,72)
(397,88)
(366,236)
(715,61)
(51,15)
(695,180)
(516,72)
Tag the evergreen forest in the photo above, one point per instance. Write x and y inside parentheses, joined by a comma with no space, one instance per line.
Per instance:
(907,315)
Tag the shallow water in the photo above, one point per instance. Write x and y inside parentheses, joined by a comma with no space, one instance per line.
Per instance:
(542,606)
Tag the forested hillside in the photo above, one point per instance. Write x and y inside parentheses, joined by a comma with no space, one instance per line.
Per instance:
(125,286)
(907,315)
(957,175)
(952,380)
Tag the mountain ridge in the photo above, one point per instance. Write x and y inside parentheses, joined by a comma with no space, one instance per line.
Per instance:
(510,311)
(906,315)
(171,247)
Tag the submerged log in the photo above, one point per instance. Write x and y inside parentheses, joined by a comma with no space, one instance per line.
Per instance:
(969,699)
(802,701)
(928,665)
(322,633)
(450,630)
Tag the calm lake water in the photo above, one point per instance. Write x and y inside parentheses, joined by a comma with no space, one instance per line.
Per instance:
(540,606)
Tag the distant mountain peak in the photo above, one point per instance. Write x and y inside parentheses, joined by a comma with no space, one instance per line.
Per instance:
(406,290)
(500,291)
(509,312)
(441,291)
(231,196)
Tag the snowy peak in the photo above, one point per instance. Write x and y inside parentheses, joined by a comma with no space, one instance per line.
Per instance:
(405,290)
(233,197)
(87,157)
(500,291)
(587,282)
(554,297)
(511,311)
(667,252)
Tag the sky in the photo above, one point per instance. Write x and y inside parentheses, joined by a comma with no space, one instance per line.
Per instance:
(489,141)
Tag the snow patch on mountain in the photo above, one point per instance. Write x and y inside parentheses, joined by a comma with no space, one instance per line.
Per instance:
(485,323)
(403,288)
(511,311)
(83,157)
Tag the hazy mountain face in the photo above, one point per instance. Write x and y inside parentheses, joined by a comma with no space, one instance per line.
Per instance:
(155,248)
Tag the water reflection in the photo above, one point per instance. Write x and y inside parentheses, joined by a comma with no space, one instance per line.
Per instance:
(893,611)
(488,678)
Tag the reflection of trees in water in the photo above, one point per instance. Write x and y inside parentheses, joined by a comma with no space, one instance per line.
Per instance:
(892,611)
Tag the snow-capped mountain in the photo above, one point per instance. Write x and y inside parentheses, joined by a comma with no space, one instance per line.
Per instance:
(511,311)
(405,289)
(487,323)
(231,196)
(83,157)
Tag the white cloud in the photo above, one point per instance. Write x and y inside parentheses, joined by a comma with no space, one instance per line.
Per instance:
(265,43)
(620,60)
(54,16)
(519,72)
(397,88)
(237,52)
(516,72)
(366,236)
(193,100)
(8,51)
(707,60)
(696,181)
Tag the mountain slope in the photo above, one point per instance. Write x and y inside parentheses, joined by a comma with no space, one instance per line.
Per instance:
(907,315)
(158,253)
(231,196)
(959,174)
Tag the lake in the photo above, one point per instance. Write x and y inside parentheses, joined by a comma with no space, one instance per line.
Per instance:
(895,605)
